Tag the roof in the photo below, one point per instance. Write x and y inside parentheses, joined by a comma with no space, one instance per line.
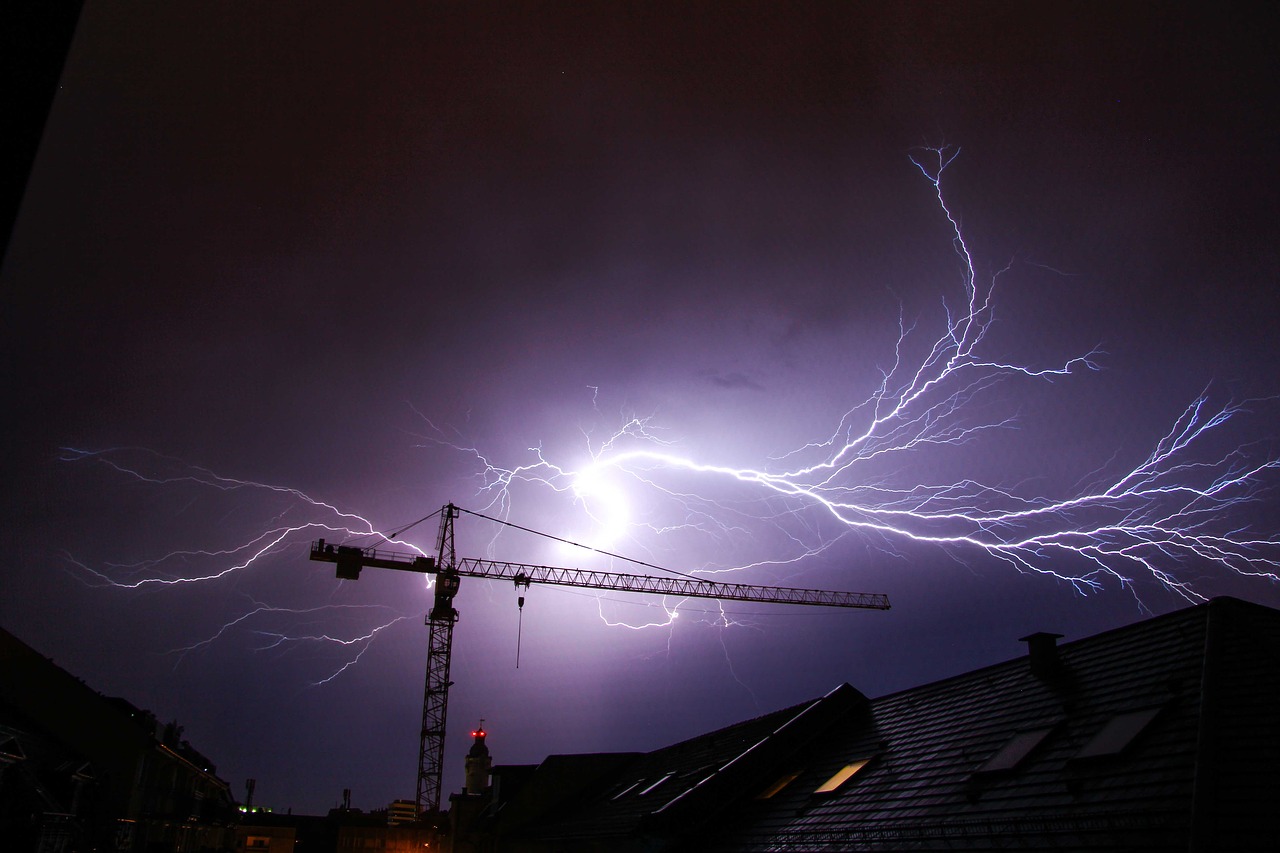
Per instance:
(1145,737)
(1109,751)
(667,791)
(47,703)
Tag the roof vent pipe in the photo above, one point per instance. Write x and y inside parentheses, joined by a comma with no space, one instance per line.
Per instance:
(1042,649)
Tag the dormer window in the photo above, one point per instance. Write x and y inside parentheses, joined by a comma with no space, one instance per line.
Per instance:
(777,786)
(842,776)
(1015,750)
(1120,731)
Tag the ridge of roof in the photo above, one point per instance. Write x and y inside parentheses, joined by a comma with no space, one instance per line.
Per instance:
(1112,745)
(1195,612)
(1106,743)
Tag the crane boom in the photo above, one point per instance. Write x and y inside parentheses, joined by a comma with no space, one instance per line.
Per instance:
(449,570)
(524,573)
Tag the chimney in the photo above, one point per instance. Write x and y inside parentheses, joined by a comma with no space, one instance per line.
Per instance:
(1042,649)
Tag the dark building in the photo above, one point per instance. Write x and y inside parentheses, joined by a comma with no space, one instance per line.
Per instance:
(82,771)
(343,830)
(264,832)
(1164,735)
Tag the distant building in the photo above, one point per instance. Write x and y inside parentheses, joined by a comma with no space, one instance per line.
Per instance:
(478,763)
(342,830)
(81,771)
(265,832)
(476,795)
(1164,735)
(357,835)
(402,812)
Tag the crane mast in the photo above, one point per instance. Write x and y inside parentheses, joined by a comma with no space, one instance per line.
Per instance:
(449,570)
(435,692)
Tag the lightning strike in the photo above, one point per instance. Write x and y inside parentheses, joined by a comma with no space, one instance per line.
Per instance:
(672,613)
(242,555)
(1174,510)
(359,644)
(175,567)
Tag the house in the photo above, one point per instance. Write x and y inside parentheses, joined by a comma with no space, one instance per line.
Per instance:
(1163,735)
(83,771)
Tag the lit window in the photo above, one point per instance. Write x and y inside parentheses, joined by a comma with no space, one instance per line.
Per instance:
(777,786)
(1118,733)
(846,773)
(1013,752)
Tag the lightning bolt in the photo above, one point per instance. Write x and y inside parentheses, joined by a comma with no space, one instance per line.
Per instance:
(356,645)
(1183,507)
(1175,508)
(175,567)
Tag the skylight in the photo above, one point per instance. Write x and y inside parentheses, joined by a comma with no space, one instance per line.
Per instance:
(844,775)
(1015,750)
(1118,733)
(651,788)
(627,790)
(777,786)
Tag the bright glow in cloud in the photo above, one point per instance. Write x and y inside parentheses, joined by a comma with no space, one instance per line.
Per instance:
(1162,520)
(605,501)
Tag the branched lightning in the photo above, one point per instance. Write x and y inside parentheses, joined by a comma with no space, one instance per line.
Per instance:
(1173,513)
(358,644)
(175,568)
(242,555)
(1168,519)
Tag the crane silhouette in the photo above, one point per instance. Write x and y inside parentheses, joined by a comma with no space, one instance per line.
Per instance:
(449,570)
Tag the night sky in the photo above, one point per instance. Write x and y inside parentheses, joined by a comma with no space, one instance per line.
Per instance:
(349,259)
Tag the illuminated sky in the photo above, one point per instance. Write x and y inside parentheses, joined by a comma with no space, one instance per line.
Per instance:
(349,257)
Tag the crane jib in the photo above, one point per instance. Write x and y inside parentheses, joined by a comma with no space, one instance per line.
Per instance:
(350,560)
(681,586)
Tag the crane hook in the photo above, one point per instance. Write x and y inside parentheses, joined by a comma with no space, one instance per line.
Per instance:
(522,580)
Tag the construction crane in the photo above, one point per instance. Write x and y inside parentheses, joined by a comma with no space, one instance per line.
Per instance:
(449,570)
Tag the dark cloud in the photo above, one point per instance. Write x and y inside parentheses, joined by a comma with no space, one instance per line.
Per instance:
(337,251)
(733,380)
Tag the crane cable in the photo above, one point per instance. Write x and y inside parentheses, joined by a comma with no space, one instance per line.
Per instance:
(520,600)
(393,534)
(520,580)
(389,537)
(519,629)
(600,551)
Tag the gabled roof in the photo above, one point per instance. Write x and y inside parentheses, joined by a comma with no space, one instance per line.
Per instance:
(1109,751)
(668,791)
(557,784)
(1144,737)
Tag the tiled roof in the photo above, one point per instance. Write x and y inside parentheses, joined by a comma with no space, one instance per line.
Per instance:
(671,789)
(1116,767)
(1141,738)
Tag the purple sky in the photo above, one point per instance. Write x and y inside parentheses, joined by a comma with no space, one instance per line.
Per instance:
(301,248)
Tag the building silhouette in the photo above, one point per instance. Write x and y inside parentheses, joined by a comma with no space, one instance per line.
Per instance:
(1163,735)
(83,771)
